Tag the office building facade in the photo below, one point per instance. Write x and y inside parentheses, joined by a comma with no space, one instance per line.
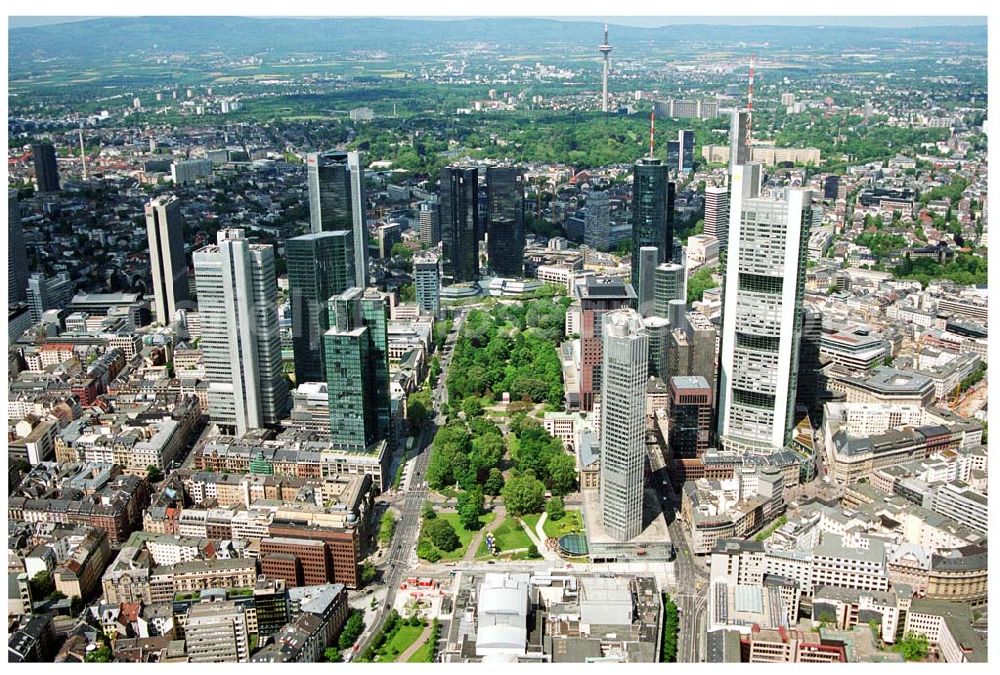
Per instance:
(505,220)
(717,215)
(427,280)
(45,293)
(320,265)
(597,296)
(165,232)
(430,222)
(669,283)
(237,302)
(762,312)
(652,212)
(623,422)
(17,253)
(646,289)
(337,201)
(597,225)
(460,224)
(690,416)
(357,369)
(46,169)
(685,142)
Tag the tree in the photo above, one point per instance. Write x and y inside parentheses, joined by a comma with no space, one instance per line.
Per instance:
(671,626)
(427,551)
(472,407)
(368,573)
(700,282)
(353,627)
(153,474)
(562,474)
(555,508)
(401,250)
(418,409)
(533,551)
(102,654)
(332,655)
(41,584)
(524,494)
(428,512)
(494,482)
(913,646)
(470,507)
(442,534)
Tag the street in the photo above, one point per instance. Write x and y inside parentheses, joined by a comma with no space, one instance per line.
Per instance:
(402,549)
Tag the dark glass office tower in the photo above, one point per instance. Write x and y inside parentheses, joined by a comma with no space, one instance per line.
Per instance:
(460,224)
(685,141)
(320,265)
(337,202)
(357,367)
(46,170)
(652,212)
(505,190)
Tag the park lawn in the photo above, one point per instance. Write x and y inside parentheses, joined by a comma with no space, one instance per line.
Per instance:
(509,535)
(424,653)
(464,535)
(532,519)
(404,637)
(571,522)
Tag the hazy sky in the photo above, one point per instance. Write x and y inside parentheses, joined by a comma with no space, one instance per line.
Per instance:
(648,22)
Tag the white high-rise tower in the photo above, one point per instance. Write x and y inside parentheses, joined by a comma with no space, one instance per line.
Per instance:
(762,312)
(625,369)
(237,303)
(605,50)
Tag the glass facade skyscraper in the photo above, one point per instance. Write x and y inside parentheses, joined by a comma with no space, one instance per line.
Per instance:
(460,224)
(652,212)
(320,265)
(762,312)
(357,369)
(337,202)
(505,208)
(46,169)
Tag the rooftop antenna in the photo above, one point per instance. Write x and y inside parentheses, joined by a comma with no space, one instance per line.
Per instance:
(652,125)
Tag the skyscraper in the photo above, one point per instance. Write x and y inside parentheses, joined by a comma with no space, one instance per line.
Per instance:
(652,212)
(237,303)
(597,297)
(623,422)
(597,226)
(427,279)
(430,222)
(762,312)
(505,223)
(320,265)
(460,224)
(337,201)
(690,416)
(165,232)
(17,253)
(45,293)
(357,369)
(645,290)
(739,139)
(46,169)
(669,284)
(717,215)
(685,142)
